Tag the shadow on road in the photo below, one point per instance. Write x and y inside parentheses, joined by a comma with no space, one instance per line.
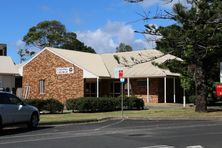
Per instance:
(19,130)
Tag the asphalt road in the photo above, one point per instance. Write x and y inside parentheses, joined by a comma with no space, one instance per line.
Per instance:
(118,134)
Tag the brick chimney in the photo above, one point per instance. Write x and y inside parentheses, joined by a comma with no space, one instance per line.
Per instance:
(3,49)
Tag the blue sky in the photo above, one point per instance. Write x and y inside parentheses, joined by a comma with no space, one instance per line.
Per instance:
(102,24)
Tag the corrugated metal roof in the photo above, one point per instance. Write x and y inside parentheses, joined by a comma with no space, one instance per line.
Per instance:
(7,66)
(138,63)
(134,64)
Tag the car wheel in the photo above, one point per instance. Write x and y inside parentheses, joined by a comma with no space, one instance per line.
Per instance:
(34,121)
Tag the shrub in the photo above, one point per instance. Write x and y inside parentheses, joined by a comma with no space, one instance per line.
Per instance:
(133,103)
(50,105)
(191,99)
(71,104)
(92,104)
(38,103)
(53,106)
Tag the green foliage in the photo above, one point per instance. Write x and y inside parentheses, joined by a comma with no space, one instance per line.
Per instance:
(71,104)
(191,99)
(72,43)
(38,103)
(123,48)
(133,103)
(51,105)
(46,34)
(91,104)
(53,34)
(196,38)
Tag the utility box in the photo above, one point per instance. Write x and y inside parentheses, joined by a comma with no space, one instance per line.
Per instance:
(3,49)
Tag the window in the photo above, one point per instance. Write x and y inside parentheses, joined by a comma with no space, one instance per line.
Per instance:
(115,88)
(1,53)
(4,99)
(90,89)
(42,86)
(141,83)
(13,99)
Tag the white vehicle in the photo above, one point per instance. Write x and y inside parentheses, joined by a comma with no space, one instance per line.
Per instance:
(15,111)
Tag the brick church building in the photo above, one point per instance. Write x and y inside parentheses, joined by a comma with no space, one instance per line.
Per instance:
(63,74)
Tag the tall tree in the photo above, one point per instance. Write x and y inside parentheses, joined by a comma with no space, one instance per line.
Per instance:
(196,38)
(123,48)
(54,34)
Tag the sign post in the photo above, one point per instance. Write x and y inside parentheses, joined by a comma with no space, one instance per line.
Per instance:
(220,72)
(118,73)
(122,82)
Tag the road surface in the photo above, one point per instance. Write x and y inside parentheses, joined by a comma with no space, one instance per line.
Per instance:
(118,134)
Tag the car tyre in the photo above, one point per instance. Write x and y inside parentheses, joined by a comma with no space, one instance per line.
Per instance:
(1,126)
(34,121)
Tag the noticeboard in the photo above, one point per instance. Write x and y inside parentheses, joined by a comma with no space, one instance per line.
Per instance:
(64,70)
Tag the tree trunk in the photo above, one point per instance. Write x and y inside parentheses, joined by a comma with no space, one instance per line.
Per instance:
(201,91)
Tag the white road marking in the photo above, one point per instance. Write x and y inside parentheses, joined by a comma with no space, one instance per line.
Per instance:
(65,132)
(167,146)
(158,146)
(109,125)
(195,146)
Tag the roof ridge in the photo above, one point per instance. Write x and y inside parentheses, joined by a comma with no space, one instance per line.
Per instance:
(71,50)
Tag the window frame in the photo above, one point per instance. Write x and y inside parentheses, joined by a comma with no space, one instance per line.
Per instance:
(42,87)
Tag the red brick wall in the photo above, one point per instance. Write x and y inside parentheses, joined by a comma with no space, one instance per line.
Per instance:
(60,87)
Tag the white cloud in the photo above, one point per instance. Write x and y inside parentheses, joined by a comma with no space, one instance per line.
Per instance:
(20,44)
(162,3)
(148,3)
(108,37)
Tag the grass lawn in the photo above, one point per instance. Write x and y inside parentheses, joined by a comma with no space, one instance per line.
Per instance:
(152,114)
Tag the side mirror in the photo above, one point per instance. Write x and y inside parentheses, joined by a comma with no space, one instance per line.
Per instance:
(23,103)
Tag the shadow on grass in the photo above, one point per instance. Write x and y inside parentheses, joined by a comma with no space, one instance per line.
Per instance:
(210,110)
(19,130)
(214,106)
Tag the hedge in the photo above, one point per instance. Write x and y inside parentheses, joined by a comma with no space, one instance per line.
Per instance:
(92,104)
(51,105)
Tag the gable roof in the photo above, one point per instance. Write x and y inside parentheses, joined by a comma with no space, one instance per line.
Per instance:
(91,62)
(7,66)
(134,63)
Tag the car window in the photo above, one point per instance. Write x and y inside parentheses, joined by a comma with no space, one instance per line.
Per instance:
(4,99)
(14,100)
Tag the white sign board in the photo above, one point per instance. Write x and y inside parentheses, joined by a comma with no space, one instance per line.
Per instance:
(220,72)
(64,70)
(122,80)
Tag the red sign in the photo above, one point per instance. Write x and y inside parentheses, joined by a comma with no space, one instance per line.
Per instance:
(219,89)
(120,73)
